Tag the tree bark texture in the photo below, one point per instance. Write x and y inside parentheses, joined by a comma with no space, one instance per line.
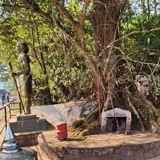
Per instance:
(106,17)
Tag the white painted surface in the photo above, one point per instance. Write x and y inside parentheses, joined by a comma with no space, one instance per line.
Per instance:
(116,112)
(68,112)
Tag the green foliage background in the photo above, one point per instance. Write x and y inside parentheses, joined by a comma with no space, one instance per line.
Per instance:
(57,63)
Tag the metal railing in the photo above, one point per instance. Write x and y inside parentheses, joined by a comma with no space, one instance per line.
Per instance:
(6,113)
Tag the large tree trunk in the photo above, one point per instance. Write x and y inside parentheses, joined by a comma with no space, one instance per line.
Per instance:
(118,89)
(106,18)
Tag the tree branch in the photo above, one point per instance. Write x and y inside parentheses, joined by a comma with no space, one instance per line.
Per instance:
(132,33)
(79,31)
(74,24)
(35,8)
(136,61)
(84,11)
(66,15)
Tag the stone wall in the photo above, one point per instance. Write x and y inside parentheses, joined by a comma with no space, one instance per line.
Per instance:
(138,146)
(126,152)
(27,139)
(137,152)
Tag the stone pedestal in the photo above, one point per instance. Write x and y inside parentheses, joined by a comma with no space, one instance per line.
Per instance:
(28,123)
(27,128)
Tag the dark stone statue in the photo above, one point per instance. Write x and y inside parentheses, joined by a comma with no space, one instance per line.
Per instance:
(24,75)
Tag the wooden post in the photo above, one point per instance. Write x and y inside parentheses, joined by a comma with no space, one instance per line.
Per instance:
(9,110)
(5,114)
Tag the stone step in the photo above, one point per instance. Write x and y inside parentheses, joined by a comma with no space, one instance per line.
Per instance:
(26,117)
(28,125)
(27,139)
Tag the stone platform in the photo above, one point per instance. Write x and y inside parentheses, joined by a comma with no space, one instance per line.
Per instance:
(27,128)
(28,123)
(138,146)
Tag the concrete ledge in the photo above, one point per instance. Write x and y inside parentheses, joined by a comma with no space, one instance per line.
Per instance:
(28,125)
(26,117)
(27,139)
(101,147)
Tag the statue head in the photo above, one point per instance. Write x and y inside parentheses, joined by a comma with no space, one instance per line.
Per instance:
(22,47)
